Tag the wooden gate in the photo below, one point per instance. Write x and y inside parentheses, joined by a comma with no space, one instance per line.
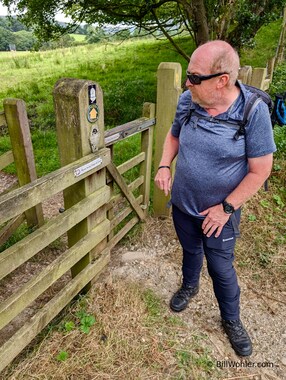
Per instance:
(96,215)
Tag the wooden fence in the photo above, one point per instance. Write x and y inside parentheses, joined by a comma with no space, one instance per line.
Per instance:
(14,117)
(101,206)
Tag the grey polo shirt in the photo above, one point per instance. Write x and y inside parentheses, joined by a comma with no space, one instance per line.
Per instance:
(210,162)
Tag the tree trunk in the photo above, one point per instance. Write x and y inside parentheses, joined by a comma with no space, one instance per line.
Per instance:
(201,29)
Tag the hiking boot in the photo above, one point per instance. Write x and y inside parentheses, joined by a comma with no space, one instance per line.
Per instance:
(181,298)
(238,337)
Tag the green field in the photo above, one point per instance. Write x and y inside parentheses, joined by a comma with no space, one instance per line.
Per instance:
(78,37)
(126,72)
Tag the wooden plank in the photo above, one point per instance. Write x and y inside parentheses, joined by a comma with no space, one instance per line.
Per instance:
(266,84)
(258,77)
(147,149)
(6,159)
(270,68)
(245,74)
(129,164)
(22,251)
(123,131)
(119,217)
(15,304)
(116,199)
(169,76)
(20,136)
(124,188)
(14,186)
(3,119)
(35,325)
(10,228)
(128,226)
(19,200)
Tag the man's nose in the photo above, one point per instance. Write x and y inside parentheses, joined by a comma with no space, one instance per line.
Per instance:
(188,83)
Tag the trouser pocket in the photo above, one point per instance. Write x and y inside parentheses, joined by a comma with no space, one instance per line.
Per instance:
(227,238)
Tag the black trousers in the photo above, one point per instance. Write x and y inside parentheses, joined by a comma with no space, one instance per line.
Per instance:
(219,253)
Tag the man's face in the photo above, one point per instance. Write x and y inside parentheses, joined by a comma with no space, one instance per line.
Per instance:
(205,93)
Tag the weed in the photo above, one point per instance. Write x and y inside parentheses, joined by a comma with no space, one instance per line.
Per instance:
(278,200)
(69,326)
(62,356)
(86,321)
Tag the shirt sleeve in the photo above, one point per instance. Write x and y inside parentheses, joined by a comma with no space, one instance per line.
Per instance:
(182,113)
(259,133)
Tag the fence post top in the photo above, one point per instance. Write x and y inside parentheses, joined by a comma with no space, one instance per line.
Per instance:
(72,86)
(170,66)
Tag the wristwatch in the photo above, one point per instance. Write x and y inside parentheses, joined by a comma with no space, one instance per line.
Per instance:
(227,207)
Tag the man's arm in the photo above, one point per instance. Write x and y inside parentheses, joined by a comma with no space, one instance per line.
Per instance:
(163,177)
(259,171)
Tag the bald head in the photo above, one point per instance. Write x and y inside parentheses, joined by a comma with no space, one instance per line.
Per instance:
(220,57)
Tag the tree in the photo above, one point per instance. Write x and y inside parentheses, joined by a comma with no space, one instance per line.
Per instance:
(235,21)
(95,34)
(6,38)
(24,40)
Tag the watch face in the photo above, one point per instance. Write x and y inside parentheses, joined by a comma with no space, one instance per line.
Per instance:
(228,208)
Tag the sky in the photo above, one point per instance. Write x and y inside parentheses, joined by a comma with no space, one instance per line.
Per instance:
(4,12)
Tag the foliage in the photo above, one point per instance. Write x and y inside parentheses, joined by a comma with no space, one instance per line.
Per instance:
(6,38)
(13,32)
(12,24)
(235,21)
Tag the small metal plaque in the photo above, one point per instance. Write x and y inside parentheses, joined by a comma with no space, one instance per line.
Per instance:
(87,167)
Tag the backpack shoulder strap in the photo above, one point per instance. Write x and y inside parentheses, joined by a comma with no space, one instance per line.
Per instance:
(248,110)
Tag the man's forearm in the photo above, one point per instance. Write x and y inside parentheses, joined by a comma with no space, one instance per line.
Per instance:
(170,149)
(252,182)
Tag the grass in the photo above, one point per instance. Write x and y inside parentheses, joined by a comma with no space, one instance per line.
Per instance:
(132,336)
(263,46)
(260,253)
(78,37)
(125,71)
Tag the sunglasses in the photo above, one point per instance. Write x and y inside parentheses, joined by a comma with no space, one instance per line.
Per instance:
(197,79)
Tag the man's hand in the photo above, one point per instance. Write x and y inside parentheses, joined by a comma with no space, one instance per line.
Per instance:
(215,219)
(163,180)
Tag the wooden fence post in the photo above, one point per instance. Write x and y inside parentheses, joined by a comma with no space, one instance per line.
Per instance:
(279,56)
(147,148)
(245,74)
(259,78)
(80,130)
(20,136)
(168,91)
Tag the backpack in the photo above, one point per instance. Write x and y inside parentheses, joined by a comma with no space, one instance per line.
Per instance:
(257,96)
(278,115)
(277,111)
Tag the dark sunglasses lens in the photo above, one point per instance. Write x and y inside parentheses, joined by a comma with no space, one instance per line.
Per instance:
(194,79)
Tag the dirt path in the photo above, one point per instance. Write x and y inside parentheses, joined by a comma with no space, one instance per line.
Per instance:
(156,262)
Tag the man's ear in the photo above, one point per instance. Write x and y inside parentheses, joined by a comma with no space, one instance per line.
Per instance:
(223,81)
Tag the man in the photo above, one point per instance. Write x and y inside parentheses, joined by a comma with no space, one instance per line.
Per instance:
(215,175)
